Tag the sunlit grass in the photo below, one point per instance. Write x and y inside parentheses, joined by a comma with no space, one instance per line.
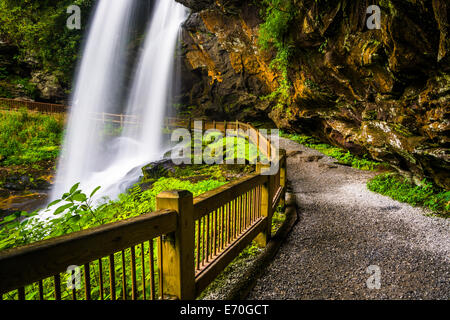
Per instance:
(425,195)
(27,138)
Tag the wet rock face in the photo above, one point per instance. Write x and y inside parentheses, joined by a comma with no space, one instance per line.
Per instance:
(382,92)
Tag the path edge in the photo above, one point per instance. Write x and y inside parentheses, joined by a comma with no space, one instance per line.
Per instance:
(248,280)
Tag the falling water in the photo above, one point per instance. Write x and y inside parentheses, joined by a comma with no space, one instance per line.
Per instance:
(114,164)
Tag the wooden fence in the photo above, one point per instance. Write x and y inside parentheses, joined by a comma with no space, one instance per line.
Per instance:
(48,108)
(245,130)
(255,136)
(175,252)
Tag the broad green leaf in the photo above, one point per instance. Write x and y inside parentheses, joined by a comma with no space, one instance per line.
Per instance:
(95,191)
(80,197)
(74,188)
(53,203)
(62,208)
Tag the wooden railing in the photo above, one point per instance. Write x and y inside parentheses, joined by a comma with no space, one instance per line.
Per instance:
(181,248)
(246,130)
(255,136)
(41,107)
(37,268)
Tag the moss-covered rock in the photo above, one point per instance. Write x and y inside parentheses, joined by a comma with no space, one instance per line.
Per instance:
(382,92)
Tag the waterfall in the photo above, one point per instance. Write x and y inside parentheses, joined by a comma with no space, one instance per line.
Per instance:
(114,164)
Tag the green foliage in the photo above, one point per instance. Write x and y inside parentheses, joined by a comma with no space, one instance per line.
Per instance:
(344,157)
(136,202)
(426,195)
(323,46)
(24,84)
(236,147)
(27,138)
(76,211)
(278,219)
(3,73)
(38,29)
(279,16)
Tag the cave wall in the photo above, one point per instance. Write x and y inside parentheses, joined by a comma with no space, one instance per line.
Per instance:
(380,92)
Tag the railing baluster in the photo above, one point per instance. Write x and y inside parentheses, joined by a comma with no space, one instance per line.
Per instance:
(250,203)
(41,290)
(259,200)
(74,287)
(203,240)
(208,237)
(244,215)
(248,211)
(133,274)
(234,220)
(144,295)
(100,268)
(238,215)
(21,293)
(87,281)
(112,277)
(160,258)
(242,226)
(124,277)
(152,271)
(228,224)
(255,202)
(57,283)
(222,225)
(215,231)
(198,243)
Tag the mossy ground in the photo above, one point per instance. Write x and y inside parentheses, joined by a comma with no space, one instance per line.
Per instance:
(390,184)
(425,195)
(344,157)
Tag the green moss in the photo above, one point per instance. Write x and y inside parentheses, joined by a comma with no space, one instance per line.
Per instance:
(344,157)
(426,195)
(402,130)
(279,16)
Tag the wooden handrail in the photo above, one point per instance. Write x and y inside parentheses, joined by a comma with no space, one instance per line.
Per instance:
(34,106)
(249,202)
(212,270)
(211,200)
(255,137)
(31,263)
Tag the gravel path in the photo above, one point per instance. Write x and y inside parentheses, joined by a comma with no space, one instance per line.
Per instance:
(344,229)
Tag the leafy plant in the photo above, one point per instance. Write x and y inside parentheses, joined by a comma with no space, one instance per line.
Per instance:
(279,16)
(426,194)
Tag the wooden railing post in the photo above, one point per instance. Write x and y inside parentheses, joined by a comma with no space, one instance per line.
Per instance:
(266,205)
(178,273)
(283,175)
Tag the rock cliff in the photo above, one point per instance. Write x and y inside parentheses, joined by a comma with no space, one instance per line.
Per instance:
(382,92)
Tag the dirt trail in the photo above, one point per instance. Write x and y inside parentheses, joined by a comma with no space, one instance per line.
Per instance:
(346,228)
